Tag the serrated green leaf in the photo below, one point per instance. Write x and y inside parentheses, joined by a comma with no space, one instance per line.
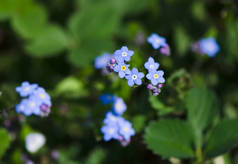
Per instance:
(201,104)
(169,138)
(222,138)
(5,141)
(51,41)
(70,87)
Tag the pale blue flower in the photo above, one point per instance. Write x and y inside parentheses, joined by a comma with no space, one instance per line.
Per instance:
(156,41)
(42,96)
(156,77)
(119,106)
(209,46)
(134,77)
(111,118)
(151,65)
(110,131)
(122,69)
(126,129)
(102,61)
(26,89)
(123,54)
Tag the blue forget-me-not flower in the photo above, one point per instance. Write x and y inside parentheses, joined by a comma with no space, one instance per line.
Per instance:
(124,54)
(134,77)
(156,41)
(209,46)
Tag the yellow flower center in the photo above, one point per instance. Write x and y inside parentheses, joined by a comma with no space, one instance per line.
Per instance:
(157,41)
(123,68)
(126,129)
(111,131)
(151,66)
(156,76)
(42,96)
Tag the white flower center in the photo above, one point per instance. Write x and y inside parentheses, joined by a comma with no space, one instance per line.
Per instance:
(111,131)
(26,88)
(134,77)
(32,104)
(124,54)
(151,66)
(157,40)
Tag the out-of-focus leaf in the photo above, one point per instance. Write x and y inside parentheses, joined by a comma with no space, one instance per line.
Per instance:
(139,122)
(159,106)
(51,41)
(182,40)
(97,156)
(88,50)
(27,26)
(169,138)
(5,141)
(222,138)
(198,10)
(94,21)
(70,87)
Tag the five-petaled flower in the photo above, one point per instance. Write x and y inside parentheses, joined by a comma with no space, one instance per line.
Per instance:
(123,54)
(119,106)
(134,77)
(102,61)
(122,69)
(156,41)
(151,65)
(156,77)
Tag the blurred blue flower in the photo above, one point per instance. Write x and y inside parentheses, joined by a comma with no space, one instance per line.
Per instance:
(151,65)
(111,118)
(126,129)
(122,69)
(123,54)
(102,61)
(134,77)
(23,108)
(209,46)
(26,89)
(110,131)
(42,96)
(156,41)
(107,98)
(156,77)
(37,102)
(119,106)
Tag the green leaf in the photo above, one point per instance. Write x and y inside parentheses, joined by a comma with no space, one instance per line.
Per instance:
(5,141)
(25,24)
(222,138)
(90,22)
(88,50)
(182,40)
(169,138)
(97,156)
(159,106)
(51,41)
(201,104)
(70,87)
(138,122)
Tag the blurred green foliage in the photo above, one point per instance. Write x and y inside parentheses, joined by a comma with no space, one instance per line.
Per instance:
(54,43)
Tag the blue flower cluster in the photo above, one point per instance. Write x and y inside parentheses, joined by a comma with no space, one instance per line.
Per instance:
(207,46)
(118,64)
(154,75)
(159,42)
(115,126)
(36,101)
(102,61)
